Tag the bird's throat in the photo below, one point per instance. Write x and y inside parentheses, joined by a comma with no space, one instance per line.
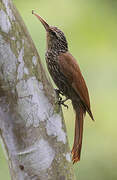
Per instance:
(55,45)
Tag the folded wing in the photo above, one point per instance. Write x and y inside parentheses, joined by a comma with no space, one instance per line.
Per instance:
(71,70)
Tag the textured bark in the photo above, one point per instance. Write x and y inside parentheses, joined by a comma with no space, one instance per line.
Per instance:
(31,122)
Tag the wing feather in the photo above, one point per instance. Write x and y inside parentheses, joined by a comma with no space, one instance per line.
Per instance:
(71,70)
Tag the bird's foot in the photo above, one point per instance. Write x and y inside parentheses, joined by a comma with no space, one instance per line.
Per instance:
(58,92)
(62,102)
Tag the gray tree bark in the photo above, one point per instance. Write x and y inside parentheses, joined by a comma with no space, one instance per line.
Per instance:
(31,123)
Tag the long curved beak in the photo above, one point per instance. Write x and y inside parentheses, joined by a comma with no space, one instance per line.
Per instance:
(46,26)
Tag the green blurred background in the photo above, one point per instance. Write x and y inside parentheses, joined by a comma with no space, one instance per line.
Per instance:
(91,30)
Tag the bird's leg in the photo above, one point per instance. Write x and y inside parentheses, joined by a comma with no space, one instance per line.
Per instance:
(58,92)
(63,102)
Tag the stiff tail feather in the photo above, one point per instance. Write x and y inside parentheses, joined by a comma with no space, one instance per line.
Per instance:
(76,150)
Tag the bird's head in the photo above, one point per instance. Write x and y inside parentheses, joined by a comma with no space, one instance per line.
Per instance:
(56,39)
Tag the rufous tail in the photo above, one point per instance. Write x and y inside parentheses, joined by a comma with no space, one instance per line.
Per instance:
(76,150)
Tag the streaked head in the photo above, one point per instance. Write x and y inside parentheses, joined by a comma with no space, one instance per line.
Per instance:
(55,37)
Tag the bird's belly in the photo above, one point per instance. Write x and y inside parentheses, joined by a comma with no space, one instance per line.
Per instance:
(58,77)
(59,80)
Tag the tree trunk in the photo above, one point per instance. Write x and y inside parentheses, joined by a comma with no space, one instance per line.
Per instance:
(31,122)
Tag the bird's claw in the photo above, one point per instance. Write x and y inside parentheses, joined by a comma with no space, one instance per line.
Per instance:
(60,102)
(58,92)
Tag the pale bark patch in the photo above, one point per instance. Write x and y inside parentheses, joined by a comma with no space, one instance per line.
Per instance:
(68,157)
(33,105)
(34,60)
(20,71)
(39,156)
(26,71)
(54,127)
(9,11)
(5,24)
(8,68)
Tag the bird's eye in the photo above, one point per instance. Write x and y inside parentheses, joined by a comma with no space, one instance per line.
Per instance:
(53,33)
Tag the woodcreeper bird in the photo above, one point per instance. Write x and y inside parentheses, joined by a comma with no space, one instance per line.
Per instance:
(67,76)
